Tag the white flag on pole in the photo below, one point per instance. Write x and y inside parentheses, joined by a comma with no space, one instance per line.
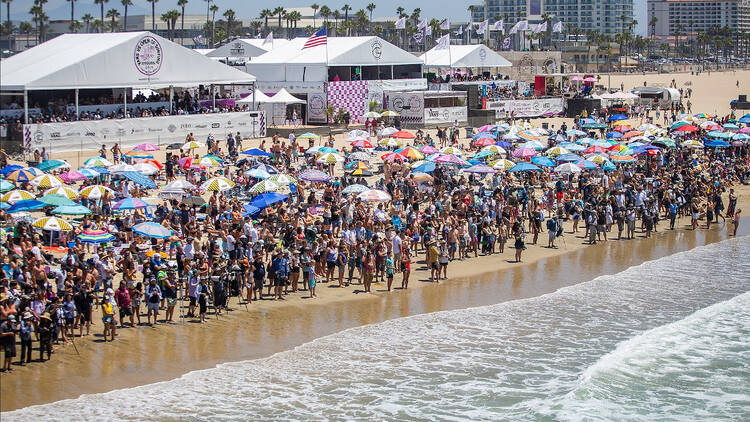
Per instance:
(401,23)
(482,27)
(269,39)
(519,26)
(443,43)
(428,31)
(422,24)
(541,27)
(460,30)
(558,27)
(445,25)
(498,25)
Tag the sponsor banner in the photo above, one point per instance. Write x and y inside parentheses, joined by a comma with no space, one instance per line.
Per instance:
(541,107)
(91,134)
(316,107)
(292,87)
(445,115)
(103,108)
(409,105)
(225,103)
(403,84)
(375,94)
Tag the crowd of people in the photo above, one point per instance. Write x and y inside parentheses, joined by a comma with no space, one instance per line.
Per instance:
(330,225)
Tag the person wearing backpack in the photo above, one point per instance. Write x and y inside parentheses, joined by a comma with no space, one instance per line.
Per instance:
(552,224)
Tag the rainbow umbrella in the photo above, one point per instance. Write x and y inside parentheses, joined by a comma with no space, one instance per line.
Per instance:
(21,175)
(410,153)
(95,236)
(139,154)
(622,158)
(129,204)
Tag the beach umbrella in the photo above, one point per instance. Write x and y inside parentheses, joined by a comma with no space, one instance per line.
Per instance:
(267,199)
(190,145)
(631,135)
(426,167)
(617,117)
(359,134)
(687,128)
(97,162)
(420,177)
(46,181)
(503,164)
(145,147)
(608,166)
(95,237)
(72,176)
(361,173)
(483,134)
(575,132)
(585,164)
(428,149)
(480,169)
(361,143)
(528,136)
(703,116)
(535,145)
(217,184)
(594,149)
(138,154)
(329,158)
(17,195)
(10,168)
(721,135)
(356,188)
(151,161)
(390,142)
(64,191)
(268,169)
(558,150)
(717,143)
(54,224)
(209,162)
(393,157)
(410,153)
(121,168)
(308,135)
(741,137)
(193,201)
(523,153)
(451,160)
(387,131)
(152,229)
(6,186)
(129,204)
(745,119)
(388,113)
(139,179)
(257,173)
(95,191)
(567,168)
(20,175)
(56,200)
(250,211)
(402,134)
(597,158)
(542,161)
(314,175)
(483,142)
(146,168)
(266,186)
(730,126)
(613,135)
(255,152)
(622,158)
(71,210)
(360,156)
(692,143)
(566,158)
(25,205)
(481,155)
(374,195)
(495,149)
(622,128)
(524,167)
(88,173)
(49,165)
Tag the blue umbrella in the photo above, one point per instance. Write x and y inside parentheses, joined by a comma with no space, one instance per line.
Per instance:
(51,165)
(427,167)
(542,161)
(586,164)
(524,166)
(267,199)
(251,211)
(100,170)
(151,229)
(745,118)
(503,144)
(568,158)
(26,205)
(140,179)
(608,166)
(255,152)
(481,135)
(616,117)
(268,169)
(71,210)
(9,168)
(717,144)
(718,134)
(614,134)
(4,205)
(6,186)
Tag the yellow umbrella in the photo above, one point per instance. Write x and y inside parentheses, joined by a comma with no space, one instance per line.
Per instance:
(47,181)
(64,191)
(17,195)
(54,224)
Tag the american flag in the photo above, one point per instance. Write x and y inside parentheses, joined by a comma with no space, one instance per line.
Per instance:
(316,39)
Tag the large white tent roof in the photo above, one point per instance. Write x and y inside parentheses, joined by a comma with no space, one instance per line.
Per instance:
(469,56)
(112,60)
(341,51)
(246,47)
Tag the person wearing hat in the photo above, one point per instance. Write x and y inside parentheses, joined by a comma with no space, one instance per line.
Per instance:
(108,316)
(153,297)
(45,329)
(24,330)
(8,341)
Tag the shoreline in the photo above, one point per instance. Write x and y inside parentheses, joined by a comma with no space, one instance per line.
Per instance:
(144,355)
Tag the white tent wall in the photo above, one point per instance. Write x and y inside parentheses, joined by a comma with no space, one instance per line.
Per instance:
(464,56)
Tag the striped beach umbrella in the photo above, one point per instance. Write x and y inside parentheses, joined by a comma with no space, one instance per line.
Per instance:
(356,188)
(558,150)
(411,153)
(97,162)
(65,191)
(54,224)
(329,158)
(692,143)
(283,179)
(46,181)
(17,195)
(390,142)
(502,164)
(527,135)
(192,145)
(95,236)
(523,153)
(145,147)
(622,158)
(266,186)
(361,143)
(6,186)
(129,204)
(209,161)
(21,175)
(217,184)
(257,173)
(139,154)
(71,210)
(495,149)
(95,191)
(393,157)
(314,175)
(452,151)
(374,195)
(360,156)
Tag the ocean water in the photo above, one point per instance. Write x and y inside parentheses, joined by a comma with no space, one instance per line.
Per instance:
(665,340)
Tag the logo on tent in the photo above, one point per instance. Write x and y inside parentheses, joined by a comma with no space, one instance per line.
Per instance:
(482,54)
(376,49)
(148,55)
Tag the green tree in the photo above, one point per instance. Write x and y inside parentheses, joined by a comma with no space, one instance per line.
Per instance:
(229,14)
(314,7)
(26,29)
(371,8)
(325,12)
(113,14)
(182,4)
(279,12)
(346,8)
(75,26)
(153,12)
(101,8)
(72,10)
(8,25)
(125,5)
(265,14)
(87,18)
(214,8)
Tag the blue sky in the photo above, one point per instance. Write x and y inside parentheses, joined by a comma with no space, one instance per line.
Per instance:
(60,9)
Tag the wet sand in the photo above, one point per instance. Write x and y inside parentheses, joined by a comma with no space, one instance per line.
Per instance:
(145,355)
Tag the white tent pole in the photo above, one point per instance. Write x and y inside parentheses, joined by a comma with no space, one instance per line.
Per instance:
(125,102)
(26,106)
(78,115)
(213,98)
(255,107)
(171,95)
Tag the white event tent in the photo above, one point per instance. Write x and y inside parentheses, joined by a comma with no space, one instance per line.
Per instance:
(274,105)
(463,56)
(112,60)
(372,56)
(246,48)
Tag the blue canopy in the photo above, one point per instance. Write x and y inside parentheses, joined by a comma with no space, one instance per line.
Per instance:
(542,161)
(255,152)
(427,167)
(608,166)
(503,144)
(251,211)
(568,158)
(9,168)
(524,166)
(481,135)
(140,179)
(267,199)
(614,134)
(745,118)
(717,144)
(616,117)
(26,205)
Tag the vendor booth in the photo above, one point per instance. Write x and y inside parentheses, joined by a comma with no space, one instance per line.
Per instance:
(419,108)
(476,56)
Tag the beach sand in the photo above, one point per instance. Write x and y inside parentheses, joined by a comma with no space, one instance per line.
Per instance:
(144,355)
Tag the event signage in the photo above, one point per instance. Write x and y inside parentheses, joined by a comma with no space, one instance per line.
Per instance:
(292,87)
(445,115)
(91,134)
(316,107)
(409,105)
(527,108)
(148,55)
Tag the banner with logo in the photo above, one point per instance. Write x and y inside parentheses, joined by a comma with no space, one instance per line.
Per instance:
(91,134)
(316,107)
(409,105)
(445,115)
(541,107)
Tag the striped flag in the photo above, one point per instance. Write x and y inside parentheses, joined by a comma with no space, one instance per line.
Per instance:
(316,39)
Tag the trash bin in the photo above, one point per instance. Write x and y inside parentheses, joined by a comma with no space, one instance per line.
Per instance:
(469,132)
(545,125)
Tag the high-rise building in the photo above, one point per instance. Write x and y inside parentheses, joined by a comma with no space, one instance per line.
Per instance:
(606,16)
(694,16)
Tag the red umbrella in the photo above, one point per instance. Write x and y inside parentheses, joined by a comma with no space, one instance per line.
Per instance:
(687,128)
(402,134)
(594,149)
(483,142)
(392,156)
(622,128)
(185,162)
(152,162)
(361,143)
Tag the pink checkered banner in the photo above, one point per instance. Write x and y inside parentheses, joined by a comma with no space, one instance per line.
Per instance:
(350,96)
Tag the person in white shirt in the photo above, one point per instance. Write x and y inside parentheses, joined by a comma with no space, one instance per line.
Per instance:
(396,244)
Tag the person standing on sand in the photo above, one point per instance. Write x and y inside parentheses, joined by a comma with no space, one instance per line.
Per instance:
(368,268)
(405,266)
(153,298)
(519,245)
(108,318)
(736,221)
(432,261)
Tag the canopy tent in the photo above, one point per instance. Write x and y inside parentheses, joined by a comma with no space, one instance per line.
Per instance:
(246,48)
(468,56)
(284,97)
(113,60)
(290,62)
(256,97)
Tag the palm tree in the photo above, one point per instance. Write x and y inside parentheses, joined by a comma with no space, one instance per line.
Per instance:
(208,9)
(652,24)
(87,18)
(34,12)
(279,12)
(8,24)
(361,20)
(265,14)
(592,38)
(113,14)
(314,7)
(214,8)
(101,8)
(293,18)
(97,25)
(182,4)
(371,8)
(72,7)
(346,8)
(125,4)
(173,15)
(153,13)
(470,9)
(229,14)
(75,26)
(25,29)
(325,12)
(43,18)
(336,16)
